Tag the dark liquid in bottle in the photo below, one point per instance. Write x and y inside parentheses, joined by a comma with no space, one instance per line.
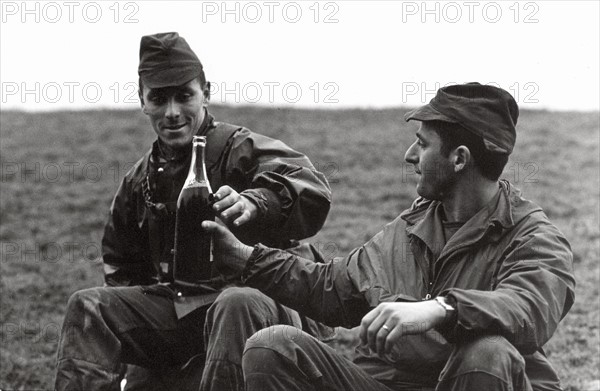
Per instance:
(193,252)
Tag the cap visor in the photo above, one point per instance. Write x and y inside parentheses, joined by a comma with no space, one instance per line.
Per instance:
(426,113)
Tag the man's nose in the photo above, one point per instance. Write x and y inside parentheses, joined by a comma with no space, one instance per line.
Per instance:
(173,110)
(411,155)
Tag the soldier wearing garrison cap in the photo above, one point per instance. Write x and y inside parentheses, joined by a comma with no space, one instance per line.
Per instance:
(460,292)
(266,192)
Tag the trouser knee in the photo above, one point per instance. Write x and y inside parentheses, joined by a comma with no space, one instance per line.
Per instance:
(238,313)
(489,352)
(267,347)
(233,310)
(278,337)
(82,304)
(242,309)
(80,298)
(84,328)
(490,355)
(236,299)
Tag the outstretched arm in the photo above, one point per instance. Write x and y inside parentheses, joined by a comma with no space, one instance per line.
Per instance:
(322,291)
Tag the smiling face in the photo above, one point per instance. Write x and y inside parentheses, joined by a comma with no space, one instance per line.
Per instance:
(436,173)
(175,112)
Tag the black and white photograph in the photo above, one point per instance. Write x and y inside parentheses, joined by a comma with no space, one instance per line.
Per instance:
(302,195)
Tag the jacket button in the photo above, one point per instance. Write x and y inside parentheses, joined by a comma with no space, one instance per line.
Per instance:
(172,251)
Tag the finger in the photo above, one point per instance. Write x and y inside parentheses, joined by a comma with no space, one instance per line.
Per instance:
(243,219)
(233,211)
(376,333)
(219,221)
(383,335)
(392,338)
(386,334)
(366,322)
(213,227)
(226,202)
(223,192)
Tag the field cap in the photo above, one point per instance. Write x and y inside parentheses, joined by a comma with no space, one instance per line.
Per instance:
(487,111)
(167,60)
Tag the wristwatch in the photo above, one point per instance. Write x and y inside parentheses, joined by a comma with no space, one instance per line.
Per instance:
(450,310)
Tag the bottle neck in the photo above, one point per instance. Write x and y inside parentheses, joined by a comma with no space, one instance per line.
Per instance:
(197,173)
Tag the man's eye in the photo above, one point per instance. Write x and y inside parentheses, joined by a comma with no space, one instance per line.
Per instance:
(184,97)
(420,143)
(157,99)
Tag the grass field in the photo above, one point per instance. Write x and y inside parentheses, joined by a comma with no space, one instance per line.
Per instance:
(60,171)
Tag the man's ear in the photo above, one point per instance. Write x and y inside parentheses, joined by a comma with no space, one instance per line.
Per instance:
(206,93)
(461,158)
(142,103)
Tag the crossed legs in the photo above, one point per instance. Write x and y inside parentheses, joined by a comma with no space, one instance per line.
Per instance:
(282,358)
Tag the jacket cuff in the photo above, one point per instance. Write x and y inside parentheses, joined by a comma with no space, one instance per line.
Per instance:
(450,329)
(250,263)
(267,202)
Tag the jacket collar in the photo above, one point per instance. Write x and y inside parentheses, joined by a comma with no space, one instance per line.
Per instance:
(424,220)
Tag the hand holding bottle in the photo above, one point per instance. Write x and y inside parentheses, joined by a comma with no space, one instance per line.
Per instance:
(229,251)
(233,208)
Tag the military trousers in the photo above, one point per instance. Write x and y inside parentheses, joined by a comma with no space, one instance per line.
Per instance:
(107,327)
(285,358)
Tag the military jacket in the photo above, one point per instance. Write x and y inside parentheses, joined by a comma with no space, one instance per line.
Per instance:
(508,269)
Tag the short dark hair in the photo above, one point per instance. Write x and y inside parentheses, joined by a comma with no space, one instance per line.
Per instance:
(490,164)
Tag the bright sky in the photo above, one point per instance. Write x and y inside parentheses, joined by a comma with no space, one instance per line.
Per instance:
(328,54)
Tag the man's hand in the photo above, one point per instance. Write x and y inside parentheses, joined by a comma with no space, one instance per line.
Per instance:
(233,208)
(399,319)
(229,251)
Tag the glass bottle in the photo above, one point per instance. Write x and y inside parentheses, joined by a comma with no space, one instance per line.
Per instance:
(193,245)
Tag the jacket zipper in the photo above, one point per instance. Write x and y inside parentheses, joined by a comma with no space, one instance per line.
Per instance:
(426,280)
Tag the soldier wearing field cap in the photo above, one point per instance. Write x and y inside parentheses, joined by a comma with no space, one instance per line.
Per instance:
(460,292)
(264,191)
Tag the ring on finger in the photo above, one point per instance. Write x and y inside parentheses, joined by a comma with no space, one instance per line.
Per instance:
(386,328)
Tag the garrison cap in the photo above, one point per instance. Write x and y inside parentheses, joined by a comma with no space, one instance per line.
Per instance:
(487,111)
(166,60)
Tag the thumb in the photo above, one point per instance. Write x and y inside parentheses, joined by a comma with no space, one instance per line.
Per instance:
(213,228)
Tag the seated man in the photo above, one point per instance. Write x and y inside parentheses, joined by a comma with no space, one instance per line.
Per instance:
(267,192)
(460,292)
